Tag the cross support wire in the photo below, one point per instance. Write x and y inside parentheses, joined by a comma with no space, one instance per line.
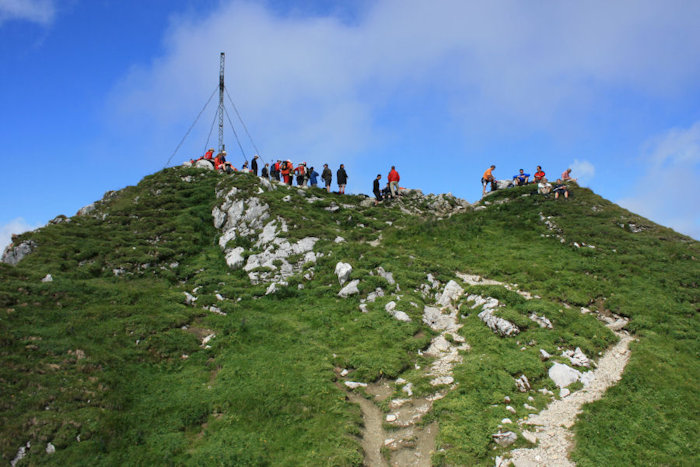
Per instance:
(222,147)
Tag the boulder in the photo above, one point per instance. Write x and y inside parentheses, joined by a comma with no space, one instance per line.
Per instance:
(541,320)
(505,439)
(563,375)
(14,254)
(343,270)
(386,275)
(577,357)
(498,325)
(47,278)
(85,210)
(350,289)
(450,294)
(522,384)
(203,164)
(339,240)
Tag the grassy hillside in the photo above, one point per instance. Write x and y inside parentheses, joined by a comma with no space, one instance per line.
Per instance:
(109,363)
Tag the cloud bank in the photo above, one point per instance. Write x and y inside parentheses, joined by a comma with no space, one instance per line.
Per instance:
(15,226)
(667,192)
(35,11)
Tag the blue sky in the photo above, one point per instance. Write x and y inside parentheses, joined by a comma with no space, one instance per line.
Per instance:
(96,94)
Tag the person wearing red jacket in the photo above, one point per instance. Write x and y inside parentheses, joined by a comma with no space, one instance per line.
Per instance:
(209,154)
(393,181)
(300,171)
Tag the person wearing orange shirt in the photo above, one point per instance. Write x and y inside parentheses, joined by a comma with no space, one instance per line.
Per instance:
(393,181)
(487,177)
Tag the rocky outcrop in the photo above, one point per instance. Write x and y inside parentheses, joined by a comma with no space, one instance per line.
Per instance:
(14,254)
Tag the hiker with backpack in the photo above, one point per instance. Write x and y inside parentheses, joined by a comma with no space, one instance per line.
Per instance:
(287,169)
(327,177)
(342,177)
(313,177)
(488,178)
(300,172)
(393,181)
(266,172)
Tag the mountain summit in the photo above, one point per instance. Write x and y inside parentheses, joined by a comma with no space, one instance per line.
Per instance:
(207,319)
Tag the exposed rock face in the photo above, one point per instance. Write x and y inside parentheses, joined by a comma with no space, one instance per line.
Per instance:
(451,294)
(85,210)
(248,218)
(577,357)
(14,254)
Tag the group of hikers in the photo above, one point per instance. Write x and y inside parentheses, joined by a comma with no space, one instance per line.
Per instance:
(282,171)
(522,178)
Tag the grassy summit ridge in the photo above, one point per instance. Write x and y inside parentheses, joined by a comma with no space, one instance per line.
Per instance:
(107,362)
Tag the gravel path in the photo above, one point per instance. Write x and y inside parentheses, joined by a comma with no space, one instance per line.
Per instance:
(551,426)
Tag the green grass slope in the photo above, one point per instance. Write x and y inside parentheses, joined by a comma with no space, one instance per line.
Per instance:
(107,363)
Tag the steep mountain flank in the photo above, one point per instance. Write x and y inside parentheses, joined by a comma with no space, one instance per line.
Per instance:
(200,318)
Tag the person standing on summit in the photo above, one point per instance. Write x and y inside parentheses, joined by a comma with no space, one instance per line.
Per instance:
(487,177)
(327,177)
(342,177)
(393,181)
(254,165)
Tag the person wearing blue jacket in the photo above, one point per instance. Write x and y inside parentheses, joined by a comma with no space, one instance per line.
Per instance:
(313,180)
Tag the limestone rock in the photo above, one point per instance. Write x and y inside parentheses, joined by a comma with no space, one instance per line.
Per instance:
(47,278)
(14,254)
(339,240)
(498,325)
(85,210)
(386,275)
(577,357)
(355,385)
(234,258)
(505,439)
(563,375)
(450,294)
(349,289)
(343,270)
(541,320)
(522,384)
(544,354)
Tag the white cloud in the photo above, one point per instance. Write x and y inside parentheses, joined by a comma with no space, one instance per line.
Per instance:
(667,192)
(15,226)
(583,171)
(318,86)
(36,11)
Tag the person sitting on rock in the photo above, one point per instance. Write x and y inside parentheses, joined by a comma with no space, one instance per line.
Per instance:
(375,189)
(488,178)
(560,188)
(245,167)
(539,175)
(543,187)
(521,179)
(566,176)
(313,177)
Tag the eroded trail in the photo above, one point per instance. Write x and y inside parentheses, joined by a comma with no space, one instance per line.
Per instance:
(552,425)
(373,433)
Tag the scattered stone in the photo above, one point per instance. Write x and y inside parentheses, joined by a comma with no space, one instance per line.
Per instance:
(386,275)
(529,437)
(47,278)
(563,392)
(216,310)
(530,408)
(506,421)
(189,298)
(505,439)
(21,453)
(577,357)
(272,288)
(522,383)
(544,354)
(498,325)
(234,258)
(349,289)
(355,385)
(510,409)
(541,320)
(391,418)
(363,308)
(339,240)
(563,375)
(343,270)
(344,372)
(506,399)
(450,294)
